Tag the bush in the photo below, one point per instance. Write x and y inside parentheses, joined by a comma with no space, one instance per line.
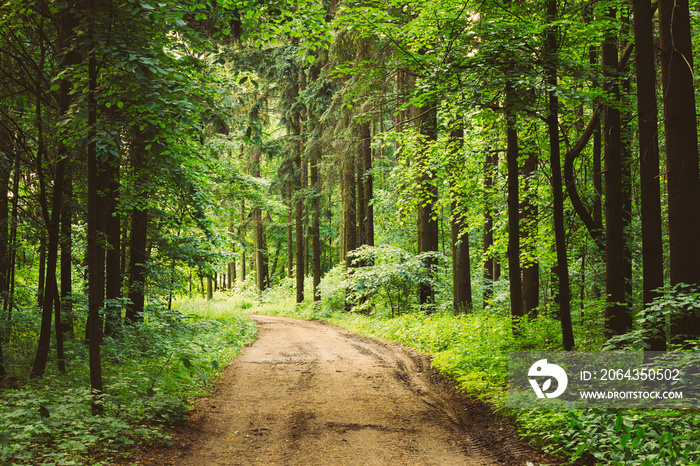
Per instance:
(150,373)
(382,277)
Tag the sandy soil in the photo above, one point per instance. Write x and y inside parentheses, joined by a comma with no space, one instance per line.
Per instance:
(309,393)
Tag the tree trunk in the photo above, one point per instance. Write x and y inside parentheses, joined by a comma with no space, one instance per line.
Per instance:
(428,234)
(8,303)
(618,319)
(316,227)
(261,258)
(551,71)
(95,254)
(683,177)
(41,286)
(349,207)
(512,154)
(461,267)
(66,256)
(299,212)
(367,236)
(5,171)
(490,167)
(53,223)
(242,233)
(113,285)
(528,231)
(139,238)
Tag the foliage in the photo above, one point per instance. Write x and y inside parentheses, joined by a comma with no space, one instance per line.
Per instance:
(383,277)
(620,438)
(151,373)
(669,303)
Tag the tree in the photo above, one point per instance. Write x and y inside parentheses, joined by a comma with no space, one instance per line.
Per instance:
(551,71)
(681,156)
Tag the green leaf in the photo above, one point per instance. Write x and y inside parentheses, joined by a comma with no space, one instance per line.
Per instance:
(150,392)
(203,377)
(215,364)
(186,362)
(4,439)
(43,412)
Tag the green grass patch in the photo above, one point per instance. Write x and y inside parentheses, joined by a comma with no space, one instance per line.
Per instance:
(151,372)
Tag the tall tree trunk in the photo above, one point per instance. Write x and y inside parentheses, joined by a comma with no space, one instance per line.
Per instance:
(261,257)
(299,211)
(41,285)
(139,237)
(349,207)
(461,268)
(683,177)
(428,234)
(367,185)
(8,303)
(348,214)
(113,285)
(528,230)
(242,233)
(290,233)
(490,168)
(95,254)
(512,154)
(66,256)
(551,71)
(53,223)
(260,250)
(5,172)
(618,319)
(316,227)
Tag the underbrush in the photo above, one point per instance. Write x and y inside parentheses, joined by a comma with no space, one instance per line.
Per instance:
(151,372)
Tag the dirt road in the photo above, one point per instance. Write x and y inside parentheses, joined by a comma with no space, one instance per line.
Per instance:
(309,393)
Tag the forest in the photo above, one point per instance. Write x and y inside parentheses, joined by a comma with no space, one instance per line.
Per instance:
(466,177)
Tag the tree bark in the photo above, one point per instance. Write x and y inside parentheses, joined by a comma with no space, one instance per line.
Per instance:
(316,227)
(113,281)
(428,233)
(5,172)
(299,211)
(490,167)
(512,154)
(261,258)
(461,267)
(367,230)
(528,231)
(95,254)
(618,319)
(683,177)
(139,238)
(66,256)
(51,291)
(551,71)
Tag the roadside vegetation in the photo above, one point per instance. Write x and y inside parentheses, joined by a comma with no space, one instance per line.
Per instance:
(152,370)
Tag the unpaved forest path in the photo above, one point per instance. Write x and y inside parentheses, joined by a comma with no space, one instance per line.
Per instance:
(309,393)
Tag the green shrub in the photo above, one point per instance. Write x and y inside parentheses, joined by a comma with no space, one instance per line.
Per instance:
(151,371)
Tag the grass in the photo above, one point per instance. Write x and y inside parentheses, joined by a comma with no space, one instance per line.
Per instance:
(150,373)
